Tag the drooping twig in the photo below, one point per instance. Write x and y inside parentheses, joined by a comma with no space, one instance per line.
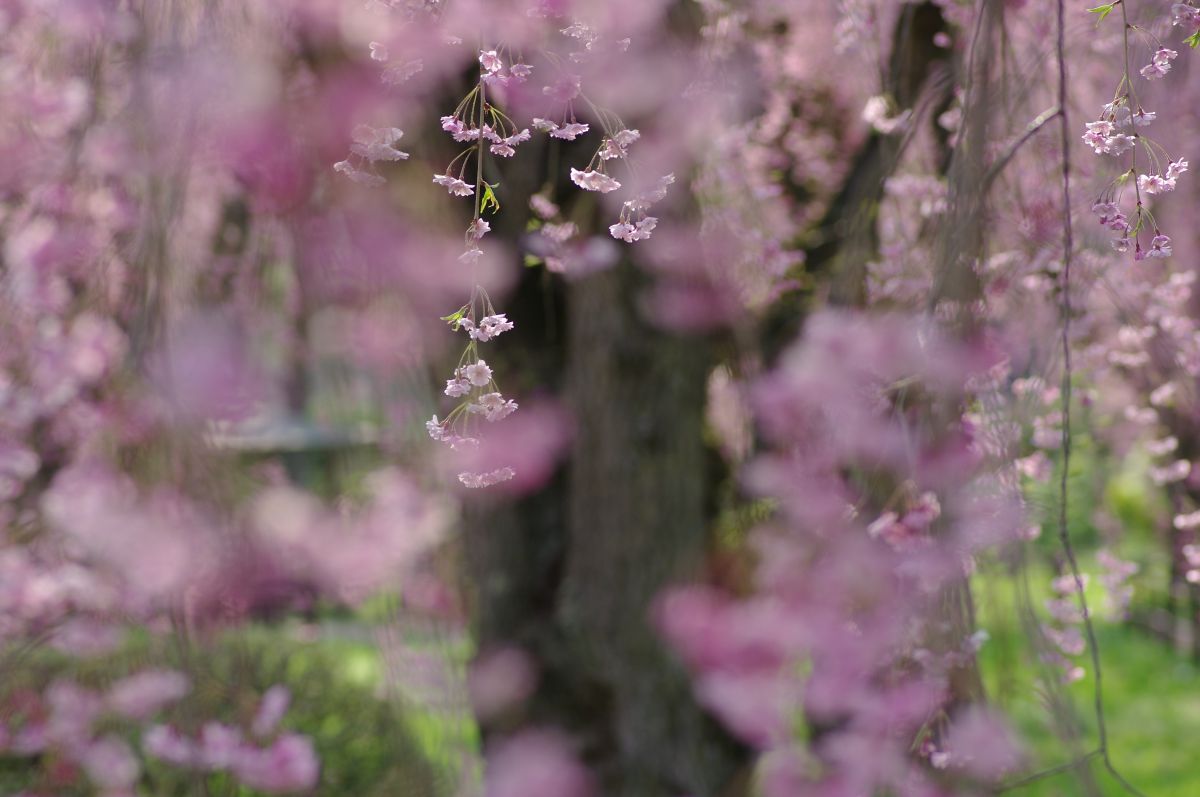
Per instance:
(1049,772)
(1063,532)
(1032,129)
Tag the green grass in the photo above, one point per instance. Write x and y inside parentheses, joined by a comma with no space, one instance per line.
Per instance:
(1151,700)
(1151,697)
(370,746)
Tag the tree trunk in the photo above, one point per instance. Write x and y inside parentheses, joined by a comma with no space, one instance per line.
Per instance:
(572,573)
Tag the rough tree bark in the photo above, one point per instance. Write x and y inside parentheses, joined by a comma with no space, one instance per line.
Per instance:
(920,74)
(571,575)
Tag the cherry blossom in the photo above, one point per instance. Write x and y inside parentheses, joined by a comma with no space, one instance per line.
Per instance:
(1155,183)
(377,144)
(478,228)
(569,132)
(493,406)
(454,185)
(490,61)
(479,480)
(477,373)
(489,326)
(592,180)
(357,175)
(636,231)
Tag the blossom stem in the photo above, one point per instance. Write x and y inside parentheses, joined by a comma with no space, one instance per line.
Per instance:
(1129,103)
(479,148)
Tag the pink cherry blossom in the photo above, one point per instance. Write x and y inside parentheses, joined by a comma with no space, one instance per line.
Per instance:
(289,764)
(454,185)
(594,181)
(1160,246)
(1162,447)
(500,680)
(569,132)
(377,143)
(166,744)
(535,762)
(477,373)
(271,709)
(478,228)
(479,480)
(357,175)
(493,406)
(1185,16)
(490,61)
(144,694)
(111,765)
(489,327)
(1155,183)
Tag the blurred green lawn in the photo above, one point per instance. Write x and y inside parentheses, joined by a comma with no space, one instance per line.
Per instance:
(1151,694)
(1151,698)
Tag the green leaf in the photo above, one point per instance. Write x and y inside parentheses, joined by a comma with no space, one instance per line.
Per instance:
(1103,11)
(533,261)
(488,200)
(1194,40)
(456,316)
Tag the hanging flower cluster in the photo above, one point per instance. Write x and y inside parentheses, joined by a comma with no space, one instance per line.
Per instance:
(1065,629)
(474,384)
(477,120)
(1114,576)
(634,224)
(1117,131)
(486,129)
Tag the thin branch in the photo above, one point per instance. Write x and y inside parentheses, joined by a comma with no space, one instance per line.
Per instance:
(1068,248)
(479,153)
(1063,532)
(1043,119)
(1029,780)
